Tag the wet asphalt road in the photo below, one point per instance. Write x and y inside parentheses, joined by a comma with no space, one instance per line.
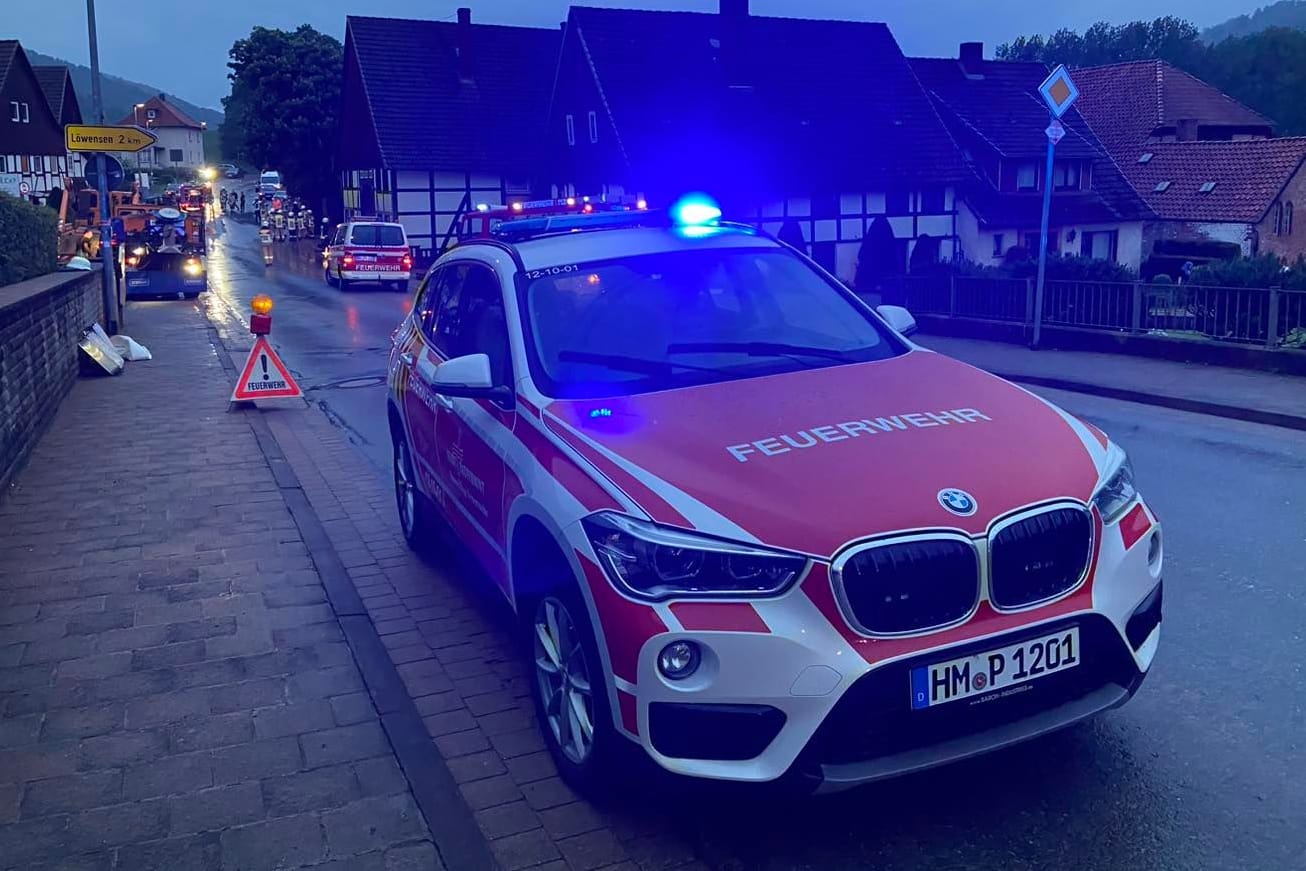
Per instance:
(1204,769)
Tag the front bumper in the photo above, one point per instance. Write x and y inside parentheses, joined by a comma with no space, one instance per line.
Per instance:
(798,701)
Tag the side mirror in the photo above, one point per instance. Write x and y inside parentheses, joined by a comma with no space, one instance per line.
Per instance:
(898,318)
(469,377)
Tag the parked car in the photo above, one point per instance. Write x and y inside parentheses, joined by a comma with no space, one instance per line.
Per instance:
(230,170)
(751,529)
(368,252)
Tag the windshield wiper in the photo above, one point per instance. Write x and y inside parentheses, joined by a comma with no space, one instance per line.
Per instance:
(760,349)
(642,365)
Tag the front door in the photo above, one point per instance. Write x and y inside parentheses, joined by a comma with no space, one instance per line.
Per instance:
(418,359)
(473,434)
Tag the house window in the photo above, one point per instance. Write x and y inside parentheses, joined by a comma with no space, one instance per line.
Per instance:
(1287,219)
(594,127)
(1278,219)
(998,248)
(1027,177)
(27,119)
(932,200)
(14,114)
(1031,241)
(1066,176)
(26,163)
(174,155)
(1099,244)
(898,202)
(151,114)
(571,130)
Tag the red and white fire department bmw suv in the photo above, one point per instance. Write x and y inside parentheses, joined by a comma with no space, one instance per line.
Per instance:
(748,525)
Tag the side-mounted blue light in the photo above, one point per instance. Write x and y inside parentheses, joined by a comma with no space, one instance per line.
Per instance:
(695,210)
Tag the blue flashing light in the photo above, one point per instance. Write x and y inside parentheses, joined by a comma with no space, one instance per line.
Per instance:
(600,412)
(696,210)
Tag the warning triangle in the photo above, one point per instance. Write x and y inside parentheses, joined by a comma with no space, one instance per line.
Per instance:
(264,376)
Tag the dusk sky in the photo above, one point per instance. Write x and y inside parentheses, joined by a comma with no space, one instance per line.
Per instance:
(182,48)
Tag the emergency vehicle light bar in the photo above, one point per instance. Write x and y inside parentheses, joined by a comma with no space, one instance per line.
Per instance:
(527,228)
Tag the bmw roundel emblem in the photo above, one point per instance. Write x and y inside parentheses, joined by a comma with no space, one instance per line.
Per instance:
(959,502)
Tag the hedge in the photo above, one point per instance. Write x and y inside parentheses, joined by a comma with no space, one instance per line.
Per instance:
(28,240)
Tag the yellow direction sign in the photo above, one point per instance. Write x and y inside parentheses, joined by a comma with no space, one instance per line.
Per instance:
(85,137)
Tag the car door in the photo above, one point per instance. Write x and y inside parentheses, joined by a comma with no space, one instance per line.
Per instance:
(473,433)
(335,249)
(418,357)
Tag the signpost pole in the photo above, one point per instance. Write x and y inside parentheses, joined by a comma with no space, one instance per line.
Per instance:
(106,226)
(1059,93)
(1043,242)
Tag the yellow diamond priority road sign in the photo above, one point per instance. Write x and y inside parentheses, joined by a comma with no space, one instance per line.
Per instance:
(1058,91)
(85,137)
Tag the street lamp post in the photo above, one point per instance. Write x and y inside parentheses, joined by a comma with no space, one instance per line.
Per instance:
(106,227)
(136,117)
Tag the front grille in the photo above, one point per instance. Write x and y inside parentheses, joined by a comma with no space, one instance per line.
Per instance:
(909,586)
(1039,557)
(874,718)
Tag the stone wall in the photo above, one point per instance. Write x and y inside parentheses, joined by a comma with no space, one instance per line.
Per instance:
(41,321)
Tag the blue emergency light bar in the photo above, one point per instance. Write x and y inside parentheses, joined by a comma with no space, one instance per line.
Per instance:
(696,211)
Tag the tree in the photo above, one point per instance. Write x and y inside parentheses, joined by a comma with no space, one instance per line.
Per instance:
(281,113)
(1167,38)
(1265,70)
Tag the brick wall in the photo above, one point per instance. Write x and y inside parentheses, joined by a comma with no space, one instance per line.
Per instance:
(41,321)
(1289,242)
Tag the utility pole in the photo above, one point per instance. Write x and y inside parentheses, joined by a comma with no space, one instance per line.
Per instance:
(1059,93)
(106,225)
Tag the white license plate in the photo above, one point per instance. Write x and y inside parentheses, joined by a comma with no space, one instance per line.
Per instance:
(365,258)
(994,670)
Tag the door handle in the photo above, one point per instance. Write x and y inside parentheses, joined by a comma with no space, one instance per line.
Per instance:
(407,359)
(444,400)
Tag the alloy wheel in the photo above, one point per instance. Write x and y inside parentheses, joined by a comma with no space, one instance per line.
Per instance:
(563,673)
(405,493)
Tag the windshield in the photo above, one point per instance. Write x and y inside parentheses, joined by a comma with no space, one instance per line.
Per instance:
(678,318)
(378,235)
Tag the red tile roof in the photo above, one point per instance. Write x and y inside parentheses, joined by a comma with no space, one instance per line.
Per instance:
(1125,103)
(1130,105)
(165,115)
(1248,177)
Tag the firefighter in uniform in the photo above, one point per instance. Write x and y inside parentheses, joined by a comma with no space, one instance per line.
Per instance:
(279,224)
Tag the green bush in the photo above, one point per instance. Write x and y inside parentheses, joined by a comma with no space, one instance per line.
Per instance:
(1266,270)
(28,240)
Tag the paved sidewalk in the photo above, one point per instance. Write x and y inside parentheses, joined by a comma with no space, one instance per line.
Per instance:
(175,689)
(1244,394)
(453,644)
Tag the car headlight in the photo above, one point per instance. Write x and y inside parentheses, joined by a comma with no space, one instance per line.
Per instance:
(1117,491)
(654,562)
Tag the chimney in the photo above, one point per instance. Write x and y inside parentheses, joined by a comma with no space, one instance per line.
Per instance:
(733,53)
(1185,130)
(971,57)
(466,71)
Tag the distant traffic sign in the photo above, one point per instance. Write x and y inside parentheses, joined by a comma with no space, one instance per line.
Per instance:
(107,164)
(1055,131)
(84,137)
(1058,91)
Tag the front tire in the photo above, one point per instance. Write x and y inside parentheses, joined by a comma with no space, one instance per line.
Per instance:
(326,274)
(414,510)
(570,691)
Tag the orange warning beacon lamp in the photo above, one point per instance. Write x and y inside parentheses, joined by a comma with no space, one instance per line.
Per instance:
(260,323)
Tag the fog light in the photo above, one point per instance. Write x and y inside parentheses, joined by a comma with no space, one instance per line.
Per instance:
(1154,550)
(679,659)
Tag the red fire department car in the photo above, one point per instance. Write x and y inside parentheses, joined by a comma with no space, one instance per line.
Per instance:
(749,526)
(364,251)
